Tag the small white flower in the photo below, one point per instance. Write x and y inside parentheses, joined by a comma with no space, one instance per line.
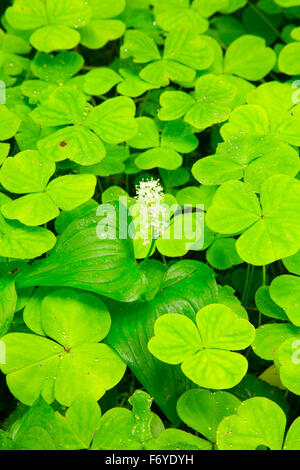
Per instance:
(153,214)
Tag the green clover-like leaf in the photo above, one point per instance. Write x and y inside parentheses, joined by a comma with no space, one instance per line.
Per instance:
(211,105)
(271,230)
(258,422)
(204,350)
(203,410)
(27,172)
(285,291)
(102,27)
(252,158)
(184,52)
(248,57)
(54,25)
(82,141)
(72,364)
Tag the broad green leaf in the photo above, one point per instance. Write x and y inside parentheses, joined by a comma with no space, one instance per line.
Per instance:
(53,23)
(174,105)
(288,361)
(32,311)
(175,439)
(77,143)
(113,120)
(234,5)
(9,123)
(209,9)
(32,210)
(203,410)
(220,328)
(88,369)
(246,120)
(252,158)
(70,191)
(11,46)
(4,151)
(258,422)
(31,365)
(57,68)
(253,120)
(213,102)
(270,337)
(292,263)
(26,172)
(140,46)
(285,291)
(175,339)
(112,164)
(159,157)
(84,260)
(248,57)
(71,318)
(196,195)
(271,231)
(82,419)
(122,429)
(160,73)
(19,241)
(65,106)
(115,431)
(222,254)
(239,207)
(75,364)
(185,288)
(267,306)
(54,37)
(147,135)
(174,14)
(274,97)
(180,137)
(132,85)
(8,303)
(40,428)
(185,232)
(189,49)
(101,28)
(287,3)
(292,438)
(99,32)
(204,350)
(288,60)
(215,369)
(100,81)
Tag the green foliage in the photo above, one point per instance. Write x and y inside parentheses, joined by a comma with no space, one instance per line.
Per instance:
(204,349)
(186,112)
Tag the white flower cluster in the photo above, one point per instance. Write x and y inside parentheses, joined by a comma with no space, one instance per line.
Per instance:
(153,214)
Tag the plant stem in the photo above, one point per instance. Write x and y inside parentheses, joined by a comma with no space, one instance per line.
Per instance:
(266,20)
(264,275)
(150,249)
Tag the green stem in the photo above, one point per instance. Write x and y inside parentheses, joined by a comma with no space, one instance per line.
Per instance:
(246,284)
(266,20)
(164,260)
(264,275)
(100,185)
(150,249)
